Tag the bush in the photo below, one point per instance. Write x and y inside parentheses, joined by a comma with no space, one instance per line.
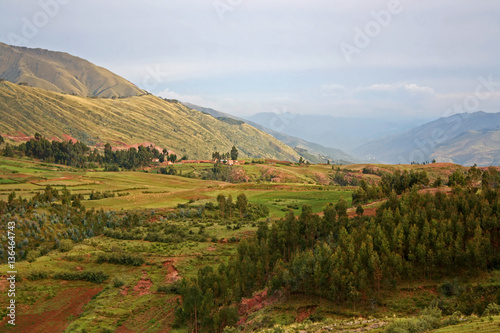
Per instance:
(90,276)
(32,255)
(230,330)
(454,319)
(66,245)
(117,283)
(408,325)
(429,319)
(172,288)
(120,259)
(492,309)
(449,289)
(37,275)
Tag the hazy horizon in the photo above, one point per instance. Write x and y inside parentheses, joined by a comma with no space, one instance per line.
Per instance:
(403,59)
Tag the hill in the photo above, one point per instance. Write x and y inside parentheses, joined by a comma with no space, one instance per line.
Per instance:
(128,121)
(472,147)
(62,72)
(313,152)
(466,138)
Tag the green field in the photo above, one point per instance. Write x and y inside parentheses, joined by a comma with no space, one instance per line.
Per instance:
(148,190)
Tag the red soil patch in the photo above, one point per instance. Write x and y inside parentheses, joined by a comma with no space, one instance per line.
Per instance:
(69,138)
(251,305)
(196,197)
(211,248)
(172,272)
(3,282)
(304,312)
(123,329)
(21,137)
(434,190)
(322,179)
(368,211)
(277,176)
(117,145)
(124,291)
(54,318)
(440,165)
(143,285)
(18,137)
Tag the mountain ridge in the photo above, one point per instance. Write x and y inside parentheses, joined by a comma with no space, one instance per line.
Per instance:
(61,72)
(131,120)
(434,140)
(316,153)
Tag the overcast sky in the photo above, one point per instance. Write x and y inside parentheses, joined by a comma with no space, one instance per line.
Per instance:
(366,58)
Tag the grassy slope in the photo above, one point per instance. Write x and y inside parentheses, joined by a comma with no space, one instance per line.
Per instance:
(473,147)
(61,72)
(152,191)
(129,121)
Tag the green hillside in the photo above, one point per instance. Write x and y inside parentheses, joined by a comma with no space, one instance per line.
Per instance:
(128,121)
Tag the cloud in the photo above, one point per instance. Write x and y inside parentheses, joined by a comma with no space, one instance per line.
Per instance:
(396,91)
(193,99)
(333,89)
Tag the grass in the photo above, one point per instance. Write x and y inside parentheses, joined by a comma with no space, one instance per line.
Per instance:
(145,190)
(113,307)
(128,121)
(477,325)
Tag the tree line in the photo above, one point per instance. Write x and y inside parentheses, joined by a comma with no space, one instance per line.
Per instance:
(233,155)
(78,154)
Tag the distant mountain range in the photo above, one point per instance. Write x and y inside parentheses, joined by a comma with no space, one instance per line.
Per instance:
(313,152)
(467,139)
(340,132)
(61,72)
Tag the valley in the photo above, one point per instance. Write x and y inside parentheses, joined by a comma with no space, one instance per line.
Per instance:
(130,260)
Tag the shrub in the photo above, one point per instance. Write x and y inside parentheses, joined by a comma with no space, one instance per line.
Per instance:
(454,319)
(117,283)
(408,325)
(492,309)
(230,330)
(32,255)
(90,276)
(120,259)
(449,289)
(429,319)
(66,245)
(37,275)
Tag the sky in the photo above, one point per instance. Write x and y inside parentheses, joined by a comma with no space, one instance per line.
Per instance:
(374,58)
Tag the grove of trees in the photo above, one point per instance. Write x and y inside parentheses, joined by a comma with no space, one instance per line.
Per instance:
(351,260)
